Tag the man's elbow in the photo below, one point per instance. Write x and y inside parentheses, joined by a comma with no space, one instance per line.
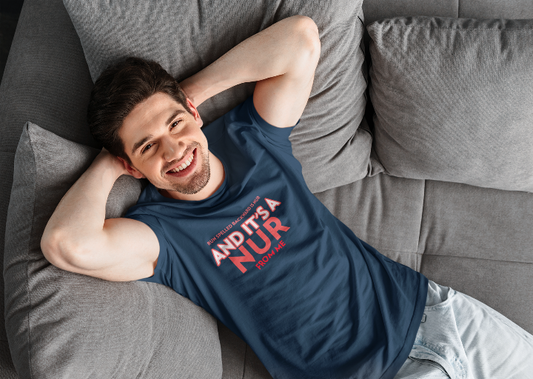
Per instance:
(59,250)
(308,39)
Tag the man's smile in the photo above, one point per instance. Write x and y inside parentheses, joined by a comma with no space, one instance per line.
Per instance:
(184,166)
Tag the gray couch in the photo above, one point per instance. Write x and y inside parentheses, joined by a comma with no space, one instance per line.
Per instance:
(437,175)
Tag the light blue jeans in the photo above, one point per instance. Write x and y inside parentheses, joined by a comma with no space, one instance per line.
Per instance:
(460,337)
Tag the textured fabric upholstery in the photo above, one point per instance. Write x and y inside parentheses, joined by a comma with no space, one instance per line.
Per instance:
(63,325)
(47,81)
(383,9)
(454,100)
(491,9)
(479,241)
(184,39)
(384,211)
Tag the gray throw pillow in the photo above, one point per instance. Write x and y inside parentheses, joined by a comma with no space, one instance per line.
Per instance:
(65,325)
(329,143)
(453,100)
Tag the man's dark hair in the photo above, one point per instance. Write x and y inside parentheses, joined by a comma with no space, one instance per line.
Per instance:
(118,90)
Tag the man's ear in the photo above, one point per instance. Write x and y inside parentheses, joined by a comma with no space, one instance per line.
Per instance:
(195,113)
(131,170)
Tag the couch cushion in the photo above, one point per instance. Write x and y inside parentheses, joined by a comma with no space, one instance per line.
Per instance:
(479,241)
(485,9)
(382,9)
(64,325)
(384,211)
(186,39)
(454,100)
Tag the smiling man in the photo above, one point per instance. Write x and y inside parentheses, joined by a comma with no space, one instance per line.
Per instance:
(228,222)
(177,171)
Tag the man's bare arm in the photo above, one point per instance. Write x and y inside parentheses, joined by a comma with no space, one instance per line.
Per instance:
(281,59)
(77,237)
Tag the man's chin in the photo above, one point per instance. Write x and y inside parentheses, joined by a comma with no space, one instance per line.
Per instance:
(191,184)
(195,185)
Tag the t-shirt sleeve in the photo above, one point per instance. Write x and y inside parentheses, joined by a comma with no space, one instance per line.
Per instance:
(279,136)
(160,275)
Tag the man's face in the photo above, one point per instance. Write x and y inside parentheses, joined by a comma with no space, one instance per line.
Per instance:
(166,145)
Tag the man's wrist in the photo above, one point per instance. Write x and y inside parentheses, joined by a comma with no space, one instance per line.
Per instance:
(204,85)
(192,91)
(110,165)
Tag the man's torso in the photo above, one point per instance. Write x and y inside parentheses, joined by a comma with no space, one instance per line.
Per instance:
(265,257)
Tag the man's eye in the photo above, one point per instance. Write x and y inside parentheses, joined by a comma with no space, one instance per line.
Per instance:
(174,124)
(148,146)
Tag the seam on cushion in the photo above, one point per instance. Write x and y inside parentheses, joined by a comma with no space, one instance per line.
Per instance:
(477,258)
(244,361)
(29,305)
(466,29)
(399,251)
(421,252)
(29,244)
(347,23)
(362,48)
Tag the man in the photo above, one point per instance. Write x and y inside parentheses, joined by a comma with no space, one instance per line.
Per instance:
(229,223)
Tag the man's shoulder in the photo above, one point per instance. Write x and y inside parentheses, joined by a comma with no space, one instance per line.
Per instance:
(244,117)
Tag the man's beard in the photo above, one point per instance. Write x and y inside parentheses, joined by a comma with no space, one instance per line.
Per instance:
(199,179)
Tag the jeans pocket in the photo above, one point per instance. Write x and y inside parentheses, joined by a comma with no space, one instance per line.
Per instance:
(420,368)
(428,357)
(434,367)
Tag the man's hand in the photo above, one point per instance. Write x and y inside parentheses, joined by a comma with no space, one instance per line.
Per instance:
(105,158)
(282,60)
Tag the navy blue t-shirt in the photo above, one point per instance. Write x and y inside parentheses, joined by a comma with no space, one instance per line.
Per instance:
(267,259)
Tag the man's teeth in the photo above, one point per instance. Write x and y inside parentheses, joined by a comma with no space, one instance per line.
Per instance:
(184,165)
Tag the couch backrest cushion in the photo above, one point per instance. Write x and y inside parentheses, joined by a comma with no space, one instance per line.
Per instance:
(491,9)
(64,325)
(453,100)
(328,141)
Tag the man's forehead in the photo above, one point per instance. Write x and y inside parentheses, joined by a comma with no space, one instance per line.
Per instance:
(147,137)
(155,112)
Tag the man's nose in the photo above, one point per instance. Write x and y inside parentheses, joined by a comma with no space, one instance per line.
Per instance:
(171,149)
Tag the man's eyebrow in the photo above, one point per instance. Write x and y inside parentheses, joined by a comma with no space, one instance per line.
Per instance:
(174,115)
(140,143)
(143,141)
